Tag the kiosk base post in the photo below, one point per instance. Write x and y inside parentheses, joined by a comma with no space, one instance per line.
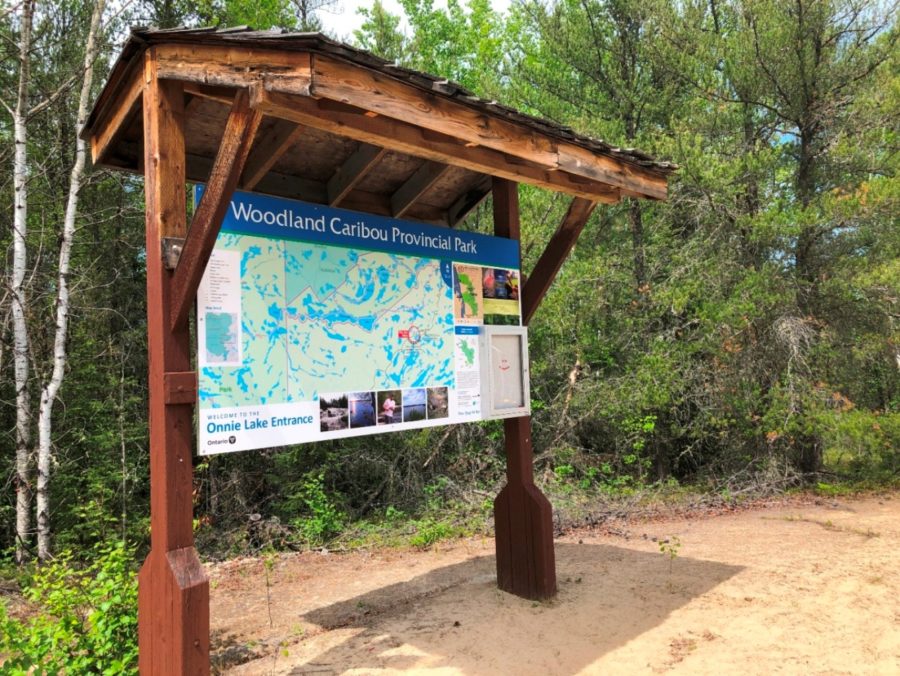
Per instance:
(173,630)
(523,522)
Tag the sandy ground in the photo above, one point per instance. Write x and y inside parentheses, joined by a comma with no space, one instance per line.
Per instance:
(811,589)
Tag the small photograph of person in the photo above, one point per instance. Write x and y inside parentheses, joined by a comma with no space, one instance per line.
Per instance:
(488,283)
(512,285)
(500,289)
(389,409)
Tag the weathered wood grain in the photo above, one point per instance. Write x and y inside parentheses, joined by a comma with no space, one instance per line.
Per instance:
(240,129)
(236,66)
(424,143)
(268,150)
(370,90)
(114,119)
(417,185)
(523,517)
(377,92)
(467,202)
(352,171)
(173,591)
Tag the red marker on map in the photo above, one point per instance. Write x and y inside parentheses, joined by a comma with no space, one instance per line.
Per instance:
(412,334)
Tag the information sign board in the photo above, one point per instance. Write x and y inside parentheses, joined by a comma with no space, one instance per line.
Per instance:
(316,323)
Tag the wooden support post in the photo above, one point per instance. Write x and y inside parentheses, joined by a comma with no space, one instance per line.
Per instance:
(523,519)
(173,590)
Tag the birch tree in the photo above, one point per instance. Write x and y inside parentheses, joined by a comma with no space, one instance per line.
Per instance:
(18,289)
(51,388)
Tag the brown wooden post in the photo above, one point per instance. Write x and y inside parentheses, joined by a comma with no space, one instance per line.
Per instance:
(173,590)
(523,518)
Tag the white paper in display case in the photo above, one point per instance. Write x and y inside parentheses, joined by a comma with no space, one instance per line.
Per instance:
(505,386)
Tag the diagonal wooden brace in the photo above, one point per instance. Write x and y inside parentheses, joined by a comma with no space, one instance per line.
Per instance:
(201,237)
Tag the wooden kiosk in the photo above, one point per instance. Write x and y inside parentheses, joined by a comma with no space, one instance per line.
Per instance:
(302,116)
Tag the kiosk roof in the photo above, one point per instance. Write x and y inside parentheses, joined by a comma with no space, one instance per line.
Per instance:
(346,128)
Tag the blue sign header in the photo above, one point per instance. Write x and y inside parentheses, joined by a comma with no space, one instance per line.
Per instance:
(280,218)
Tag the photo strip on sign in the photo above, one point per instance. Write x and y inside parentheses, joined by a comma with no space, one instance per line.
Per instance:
(317,323)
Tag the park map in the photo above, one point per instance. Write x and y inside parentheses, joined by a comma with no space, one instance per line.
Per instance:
(312,314)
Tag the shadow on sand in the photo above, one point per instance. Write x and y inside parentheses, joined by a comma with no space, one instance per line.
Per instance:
(455,618)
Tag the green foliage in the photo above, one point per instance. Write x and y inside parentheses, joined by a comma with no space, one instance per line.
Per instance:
(434,493)
(323,519)
(430,532)
(393,514)
(864,444)
(84,619)
(670,548)
(562,472)
(380,33)
(258,14)
(744,330)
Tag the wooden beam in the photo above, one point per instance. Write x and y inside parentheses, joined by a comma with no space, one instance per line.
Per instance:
(416,186)
(235,66)
(181,387)
(352,171)
(193,104)
(467,202)
(506,209)
(379,96)
(268,150)
(418,142)
(115,117)
(558,248)
(378,92)
(308,190)
(237,139)
(523,517)
(292,187)
(353,123)
(173,590)
(631,179)
(221,94)
(165,217)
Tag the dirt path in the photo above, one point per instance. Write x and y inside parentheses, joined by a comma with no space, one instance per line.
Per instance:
(797,589)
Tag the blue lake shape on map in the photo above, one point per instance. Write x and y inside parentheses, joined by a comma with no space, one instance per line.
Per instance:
(221,337)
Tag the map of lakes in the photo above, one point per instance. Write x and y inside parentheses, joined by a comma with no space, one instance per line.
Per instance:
(318,318)
(467,294)
(221,337)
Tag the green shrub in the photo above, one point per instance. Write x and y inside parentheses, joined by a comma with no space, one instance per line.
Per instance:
(429,532)
(86,621)
(324,519)
(863,444)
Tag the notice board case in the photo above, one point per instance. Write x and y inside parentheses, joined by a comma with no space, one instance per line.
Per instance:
(505,388)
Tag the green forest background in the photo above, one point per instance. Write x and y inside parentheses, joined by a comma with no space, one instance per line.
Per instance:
(741,338)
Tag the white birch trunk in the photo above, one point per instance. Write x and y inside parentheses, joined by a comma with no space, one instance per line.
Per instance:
(60,356)
(18,290)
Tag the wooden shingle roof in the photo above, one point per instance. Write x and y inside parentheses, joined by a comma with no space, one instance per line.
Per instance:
(347,128)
